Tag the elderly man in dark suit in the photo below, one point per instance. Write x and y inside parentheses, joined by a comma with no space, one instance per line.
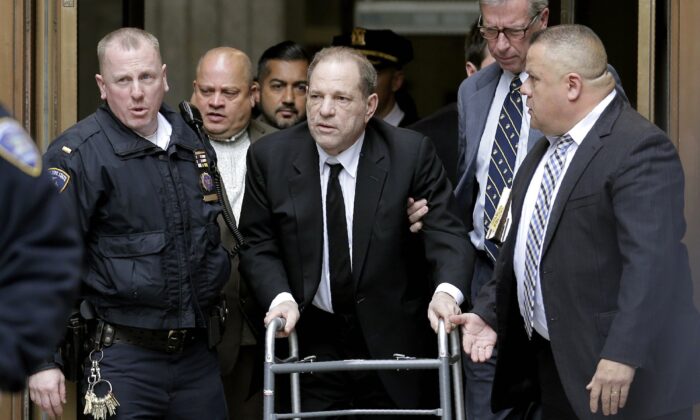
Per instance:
(592,289)
(329,247)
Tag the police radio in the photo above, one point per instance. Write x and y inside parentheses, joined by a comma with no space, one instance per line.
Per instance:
(193,118)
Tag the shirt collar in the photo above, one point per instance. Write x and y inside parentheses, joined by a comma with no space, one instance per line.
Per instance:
(581,129)
(349,157)
(161,137)
(394,116)
(508,75)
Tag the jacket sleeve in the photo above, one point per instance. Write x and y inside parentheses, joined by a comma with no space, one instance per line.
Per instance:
(261,264)
(79,187)
(40,261)
(647,197)
(445,237)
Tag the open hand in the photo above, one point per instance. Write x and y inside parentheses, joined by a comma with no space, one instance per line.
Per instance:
(478,338)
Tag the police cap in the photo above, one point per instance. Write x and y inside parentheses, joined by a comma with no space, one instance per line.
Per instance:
(382,47)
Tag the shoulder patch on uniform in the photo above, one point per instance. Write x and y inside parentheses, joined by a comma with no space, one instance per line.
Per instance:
(59,177)
(18,148)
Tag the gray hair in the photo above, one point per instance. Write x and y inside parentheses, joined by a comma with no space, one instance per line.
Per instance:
(535,6)
(368,75)
(128,39)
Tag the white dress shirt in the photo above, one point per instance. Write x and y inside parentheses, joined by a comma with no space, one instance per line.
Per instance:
(231,160)
(577,133)
(161,137)
(394,116)
(483,156)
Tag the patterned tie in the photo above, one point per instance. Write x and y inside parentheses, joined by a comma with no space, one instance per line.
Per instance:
(538,225)
(503,156)
(338,248)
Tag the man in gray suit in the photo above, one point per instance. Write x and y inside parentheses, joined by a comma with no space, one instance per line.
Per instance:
(224,92)
(494,137)
(591,296)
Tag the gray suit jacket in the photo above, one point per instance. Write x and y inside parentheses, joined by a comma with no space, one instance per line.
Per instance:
(474,102)
(614,273)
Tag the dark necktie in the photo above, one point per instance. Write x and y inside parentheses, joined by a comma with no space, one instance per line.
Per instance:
(503,157)
(338,248)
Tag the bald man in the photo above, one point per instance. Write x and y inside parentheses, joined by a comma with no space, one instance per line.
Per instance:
(224,93)
(591,296)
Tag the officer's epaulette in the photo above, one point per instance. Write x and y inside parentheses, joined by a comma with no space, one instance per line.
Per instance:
(77,135)
(68,143)
(18,148)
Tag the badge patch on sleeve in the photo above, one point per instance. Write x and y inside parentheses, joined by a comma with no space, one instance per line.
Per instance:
(59,177)
(18,148)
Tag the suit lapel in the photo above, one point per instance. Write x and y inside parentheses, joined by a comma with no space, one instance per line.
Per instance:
(522,180)
(371,175)
(257,129)
(305,190)
(480,103)
(588,148)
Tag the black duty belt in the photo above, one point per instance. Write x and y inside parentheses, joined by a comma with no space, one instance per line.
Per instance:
(168,341)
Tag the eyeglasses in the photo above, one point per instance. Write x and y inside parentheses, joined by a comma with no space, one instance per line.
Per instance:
(513,34)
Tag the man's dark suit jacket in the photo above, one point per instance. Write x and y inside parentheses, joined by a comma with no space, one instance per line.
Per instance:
(282,221)
(614,273)
(441,128)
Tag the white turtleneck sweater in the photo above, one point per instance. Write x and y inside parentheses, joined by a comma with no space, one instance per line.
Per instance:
(231,155)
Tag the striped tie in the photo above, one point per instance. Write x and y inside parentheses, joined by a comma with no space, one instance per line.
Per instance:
(538,225)
(503,156)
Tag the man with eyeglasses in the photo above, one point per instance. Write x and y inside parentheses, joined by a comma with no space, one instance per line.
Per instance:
(507,26)
(494,137)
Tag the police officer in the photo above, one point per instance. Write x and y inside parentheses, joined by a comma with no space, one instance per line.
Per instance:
(389,53)
(155,267)
(40,255)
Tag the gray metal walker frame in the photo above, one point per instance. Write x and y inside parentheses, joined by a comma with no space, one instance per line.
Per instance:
(447,362)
